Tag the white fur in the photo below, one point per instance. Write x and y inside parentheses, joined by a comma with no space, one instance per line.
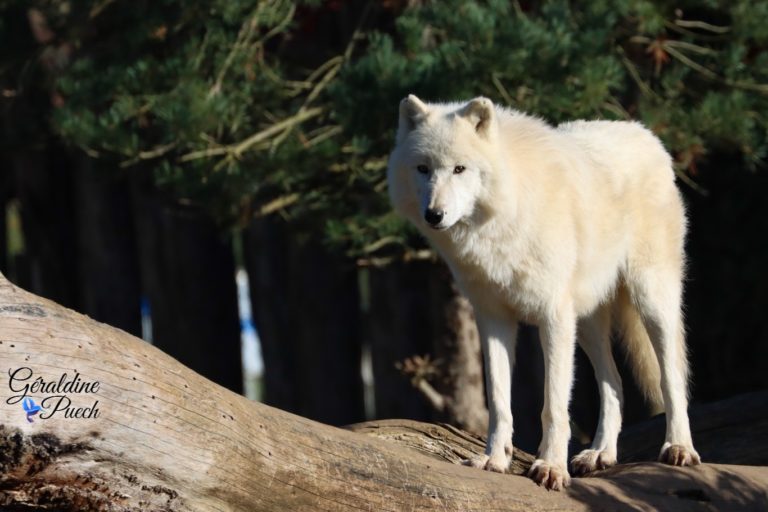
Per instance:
(550,226)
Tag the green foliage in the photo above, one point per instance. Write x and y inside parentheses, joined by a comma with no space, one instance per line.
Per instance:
(696,74)
(218,101)
(187,76)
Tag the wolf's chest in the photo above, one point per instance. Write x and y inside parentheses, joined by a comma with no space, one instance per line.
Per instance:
(501,277)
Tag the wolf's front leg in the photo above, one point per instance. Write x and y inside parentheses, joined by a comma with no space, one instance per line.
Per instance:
(497,337)
(558,339)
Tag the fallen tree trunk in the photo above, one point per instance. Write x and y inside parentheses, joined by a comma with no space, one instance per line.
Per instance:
(157,436)
(731,431)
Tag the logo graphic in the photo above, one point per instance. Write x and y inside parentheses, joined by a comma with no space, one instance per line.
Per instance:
(65,397)
(31,408)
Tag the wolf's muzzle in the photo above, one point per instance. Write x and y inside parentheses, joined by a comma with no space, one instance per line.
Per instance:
(433,217)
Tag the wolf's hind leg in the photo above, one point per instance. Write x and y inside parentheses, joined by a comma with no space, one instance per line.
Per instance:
(594,338)
(498,339)
(657,294)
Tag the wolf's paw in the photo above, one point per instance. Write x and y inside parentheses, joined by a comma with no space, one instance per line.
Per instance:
(591,460)
(553,477)
(679,455)
(476,461)
(495,463)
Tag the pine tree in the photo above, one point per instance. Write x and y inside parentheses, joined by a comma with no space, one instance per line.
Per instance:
(218,101)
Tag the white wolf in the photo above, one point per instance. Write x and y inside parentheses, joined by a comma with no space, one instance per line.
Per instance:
(574,229)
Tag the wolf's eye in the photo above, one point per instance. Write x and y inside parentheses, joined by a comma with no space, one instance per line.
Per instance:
(423,169)
(459,169)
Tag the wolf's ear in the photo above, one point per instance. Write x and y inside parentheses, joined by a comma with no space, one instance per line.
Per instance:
(413,111)
(480,113)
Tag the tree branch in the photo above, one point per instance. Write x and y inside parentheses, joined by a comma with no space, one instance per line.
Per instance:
(237,149)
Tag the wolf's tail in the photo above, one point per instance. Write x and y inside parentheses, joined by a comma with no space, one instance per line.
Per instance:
(639,350)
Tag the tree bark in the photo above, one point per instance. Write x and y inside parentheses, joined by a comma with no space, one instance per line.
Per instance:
(44,189)
(188,276)
(397,326)
(420,323)
(733,431)
(168,439)
(5,195)
(110,290)
(457,347)
(306,310)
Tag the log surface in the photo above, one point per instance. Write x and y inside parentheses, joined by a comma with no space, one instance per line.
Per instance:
(168,439)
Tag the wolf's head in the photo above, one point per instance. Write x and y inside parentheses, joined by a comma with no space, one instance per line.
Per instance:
(440,169)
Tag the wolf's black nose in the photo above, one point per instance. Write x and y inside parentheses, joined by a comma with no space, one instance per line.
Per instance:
(433,217)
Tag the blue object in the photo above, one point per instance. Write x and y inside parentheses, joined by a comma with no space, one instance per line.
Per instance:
(31,408)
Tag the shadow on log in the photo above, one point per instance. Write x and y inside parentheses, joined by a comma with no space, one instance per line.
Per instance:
(732,431)
(167,439)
